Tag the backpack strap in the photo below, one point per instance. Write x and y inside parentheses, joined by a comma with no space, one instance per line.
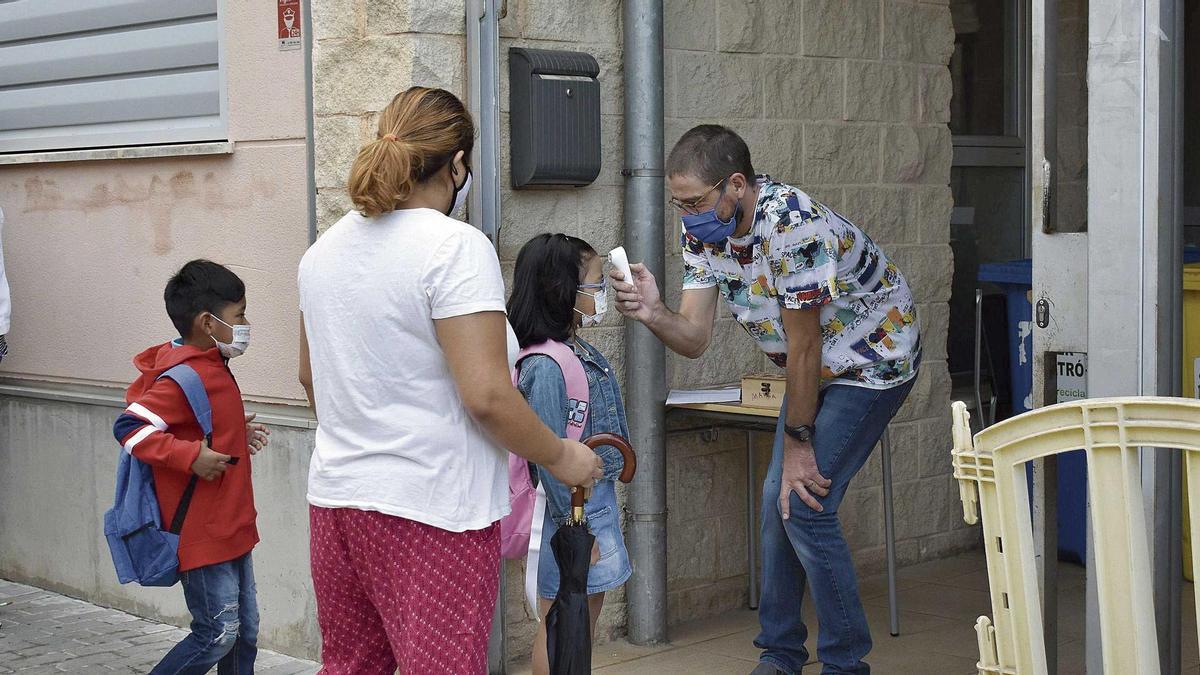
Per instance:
(578,396)
(197,397)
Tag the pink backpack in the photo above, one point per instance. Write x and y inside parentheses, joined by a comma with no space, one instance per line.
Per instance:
(515,528)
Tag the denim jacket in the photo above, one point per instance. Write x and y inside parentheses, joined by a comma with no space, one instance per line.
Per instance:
(541,383)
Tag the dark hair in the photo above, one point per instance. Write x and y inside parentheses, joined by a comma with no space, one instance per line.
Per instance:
(419,132)
(546,279)
(710,152)
(200,286)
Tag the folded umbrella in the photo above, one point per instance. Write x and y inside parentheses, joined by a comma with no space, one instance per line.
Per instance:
(568,624)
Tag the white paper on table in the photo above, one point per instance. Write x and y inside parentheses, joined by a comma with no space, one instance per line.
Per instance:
(719,395)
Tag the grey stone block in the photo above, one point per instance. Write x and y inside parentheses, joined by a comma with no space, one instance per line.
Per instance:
(846,28)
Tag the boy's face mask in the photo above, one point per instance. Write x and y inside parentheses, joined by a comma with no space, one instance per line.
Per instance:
(241,340)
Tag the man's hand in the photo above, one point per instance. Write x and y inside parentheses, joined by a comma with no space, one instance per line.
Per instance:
(637,298)
(801,475)
(256,434)
(209,464)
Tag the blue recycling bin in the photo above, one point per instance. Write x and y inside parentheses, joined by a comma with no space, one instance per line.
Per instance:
(1015,279)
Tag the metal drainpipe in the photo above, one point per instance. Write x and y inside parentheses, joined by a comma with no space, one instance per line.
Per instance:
(645,356)
(310,138)
(483,101)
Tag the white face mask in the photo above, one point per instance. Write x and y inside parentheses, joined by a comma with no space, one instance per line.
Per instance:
(601,299)
(241,340)
(460,195)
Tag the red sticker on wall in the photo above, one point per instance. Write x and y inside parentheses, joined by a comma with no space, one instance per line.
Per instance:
(289,25)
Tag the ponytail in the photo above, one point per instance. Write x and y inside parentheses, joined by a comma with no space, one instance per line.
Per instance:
(419,132)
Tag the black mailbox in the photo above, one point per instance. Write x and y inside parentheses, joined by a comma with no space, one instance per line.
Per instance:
(554,117)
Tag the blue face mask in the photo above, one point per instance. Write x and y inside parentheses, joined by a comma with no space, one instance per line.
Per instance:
(710,229)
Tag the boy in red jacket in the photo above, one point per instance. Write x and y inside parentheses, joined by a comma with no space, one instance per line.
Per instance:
(207,304)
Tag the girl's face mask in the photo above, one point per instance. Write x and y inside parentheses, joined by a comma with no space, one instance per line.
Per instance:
(600,297)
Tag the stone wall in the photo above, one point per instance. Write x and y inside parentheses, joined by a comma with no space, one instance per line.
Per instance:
(846,98)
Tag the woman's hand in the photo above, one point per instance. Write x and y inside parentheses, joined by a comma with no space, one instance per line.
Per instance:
(577,465)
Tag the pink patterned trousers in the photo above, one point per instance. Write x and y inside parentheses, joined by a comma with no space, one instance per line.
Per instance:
(394,593)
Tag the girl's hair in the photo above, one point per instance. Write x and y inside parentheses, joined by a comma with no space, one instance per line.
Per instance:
(545,282)
(419,132)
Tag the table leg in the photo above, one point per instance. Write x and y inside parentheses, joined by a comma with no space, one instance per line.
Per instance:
(889,532)
(751,520)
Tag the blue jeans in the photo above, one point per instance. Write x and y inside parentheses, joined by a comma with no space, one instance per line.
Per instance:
(809,546)
(224,633)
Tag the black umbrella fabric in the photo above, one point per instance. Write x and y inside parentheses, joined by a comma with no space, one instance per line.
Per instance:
(568,624)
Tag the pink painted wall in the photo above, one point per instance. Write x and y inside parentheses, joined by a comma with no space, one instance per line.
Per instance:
(90,245)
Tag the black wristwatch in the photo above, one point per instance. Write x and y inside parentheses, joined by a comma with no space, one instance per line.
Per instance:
(802,432)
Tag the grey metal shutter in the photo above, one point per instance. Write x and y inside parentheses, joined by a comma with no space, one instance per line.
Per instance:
(105,73)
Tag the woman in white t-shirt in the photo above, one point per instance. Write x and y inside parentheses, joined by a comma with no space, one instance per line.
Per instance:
(404,359)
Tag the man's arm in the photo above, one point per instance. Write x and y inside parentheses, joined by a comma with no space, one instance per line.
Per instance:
(803,329)
(686,332)
(800,472)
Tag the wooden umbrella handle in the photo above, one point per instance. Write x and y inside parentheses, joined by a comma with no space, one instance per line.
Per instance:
(621,444)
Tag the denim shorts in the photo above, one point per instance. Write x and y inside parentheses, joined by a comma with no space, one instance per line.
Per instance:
(612,569)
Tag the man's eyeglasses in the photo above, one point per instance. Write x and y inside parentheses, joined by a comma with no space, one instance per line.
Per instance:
(691,205)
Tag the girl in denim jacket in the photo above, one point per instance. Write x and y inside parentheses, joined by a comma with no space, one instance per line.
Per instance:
(558,287)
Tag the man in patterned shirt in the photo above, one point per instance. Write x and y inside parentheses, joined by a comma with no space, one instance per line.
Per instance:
(824,302)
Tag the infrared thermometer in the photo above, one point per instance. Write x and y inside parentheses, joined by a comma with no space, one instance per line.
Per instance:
(620,261)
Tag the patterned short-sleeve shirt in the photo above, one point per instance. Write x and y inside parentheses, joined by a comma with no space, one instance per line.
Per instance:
(800,254)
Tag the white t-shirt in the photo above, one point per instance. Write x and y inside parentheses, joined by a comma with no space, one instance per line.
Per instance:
(393,435)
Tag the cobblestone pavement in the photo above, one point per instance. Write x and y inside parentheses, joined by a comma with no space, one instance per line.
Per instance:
(43,632)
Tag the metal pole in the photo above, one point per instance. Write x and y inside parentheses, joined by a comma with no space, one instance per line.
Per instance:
(751,520)
(310,155)
(889,532)
(497,641)
(483,102)
(1168,552)
(645,356)
(1175,553)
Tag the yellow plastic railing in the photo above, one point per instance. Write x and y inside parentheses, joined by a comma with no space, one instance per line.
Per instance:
(991,477)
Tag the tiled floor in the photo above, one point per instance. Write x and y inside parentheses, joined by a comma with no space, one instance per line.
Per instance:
(939,603)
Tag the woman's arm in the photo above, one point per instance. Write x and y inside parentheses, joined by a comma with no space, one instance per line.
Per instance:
(474,345)
(306,378)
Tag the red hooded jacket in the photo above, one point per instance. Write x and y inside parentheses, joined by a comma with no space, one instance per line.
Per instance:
(159,428)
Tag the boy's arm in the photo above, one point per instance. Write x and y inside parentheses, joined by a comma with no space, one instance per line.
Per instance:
(143,429)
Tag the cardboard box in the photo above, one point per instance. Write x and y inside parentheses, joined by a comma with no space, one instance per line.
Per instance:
(763,391)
